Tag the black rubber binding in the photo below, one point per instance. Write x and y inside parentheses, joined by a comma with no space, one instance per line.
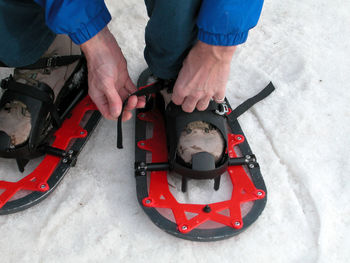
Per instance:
(46,115)
(176,122)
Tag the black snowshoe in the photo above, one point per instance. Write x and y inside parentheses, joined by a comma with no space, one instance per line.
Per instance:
(59,130)
(157,133)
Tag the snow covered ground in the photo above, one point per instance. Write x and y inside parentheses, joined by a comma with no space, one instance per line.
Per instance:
(300,135)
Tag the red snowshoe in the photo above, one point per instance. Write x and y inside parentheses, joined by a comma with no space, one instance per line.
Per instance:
(157,164)
(59,130)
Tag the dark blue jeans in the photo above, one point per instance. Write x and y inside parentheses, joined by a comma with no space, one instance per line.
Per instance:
(170,33)
(24,36)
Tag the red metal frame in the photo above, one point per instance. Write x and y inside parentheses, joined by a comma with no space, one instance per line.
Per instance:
(37,180)
(161,197)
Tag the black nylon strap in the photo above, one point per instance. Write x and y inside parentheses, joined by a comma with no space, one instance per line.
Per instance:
(27,90)
(143,91)
(51,62)
(153,88)
(57,121)
(35,93)
(250,102)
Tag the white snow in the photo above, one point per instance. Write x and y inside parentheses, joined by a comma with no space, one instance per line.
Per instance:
(300,134)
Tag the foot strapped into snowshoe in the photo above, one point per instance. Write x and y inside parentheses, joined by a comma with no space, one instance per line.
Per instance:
(197,222)
(59,129)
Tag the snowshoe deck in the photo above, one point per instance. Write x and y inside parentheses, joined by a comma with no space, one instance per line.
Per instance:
(188,220)
(63,152)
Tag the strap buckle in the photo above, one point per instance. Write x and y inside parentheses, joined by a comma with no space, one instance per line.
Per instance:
(51,62)
(222,109)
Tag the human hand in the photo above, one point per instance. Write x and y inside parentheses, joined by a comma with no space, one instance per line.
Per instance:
(109,80)
(203,76)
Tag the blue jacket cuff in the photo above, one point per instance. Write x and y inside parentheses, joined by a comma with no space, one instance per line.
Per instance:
(89,30)
(232,39)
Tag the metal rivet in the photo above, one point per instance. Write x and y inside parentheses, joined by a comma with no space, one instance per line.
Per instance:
(142,143)
(247,157)
(237,223)
(184,227)
(239,138)
(207,209)
(70,152)
(42,186)
(251,165)
(260,193)
(65,160)
(82,132)
(143,173)
(148,201)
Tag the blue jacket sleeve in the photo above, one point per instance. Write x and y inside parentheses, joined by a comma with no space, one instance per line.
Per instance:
(227,22)
(80,19)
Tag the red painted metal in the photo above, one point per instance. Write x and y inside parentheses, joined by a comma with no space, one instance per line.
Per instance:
(161,197)
(146,86)
(37,180)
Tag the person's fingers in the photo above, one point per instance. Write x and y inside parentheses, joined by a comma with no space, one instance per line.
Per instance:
(189,104)
(219,95)
(131,104)
(178,97)
(127,115)
(141,102)
(203,103)
(114,102)
(101,103)
(130,86)
(126,89)
(179,92)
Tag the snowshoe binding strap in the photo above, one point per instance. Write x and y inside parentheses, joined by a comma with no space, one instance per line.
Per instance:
(176,121)
(242,108)
(5,141)
(143,91)
(39,102)
(46,115)
(146,91)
